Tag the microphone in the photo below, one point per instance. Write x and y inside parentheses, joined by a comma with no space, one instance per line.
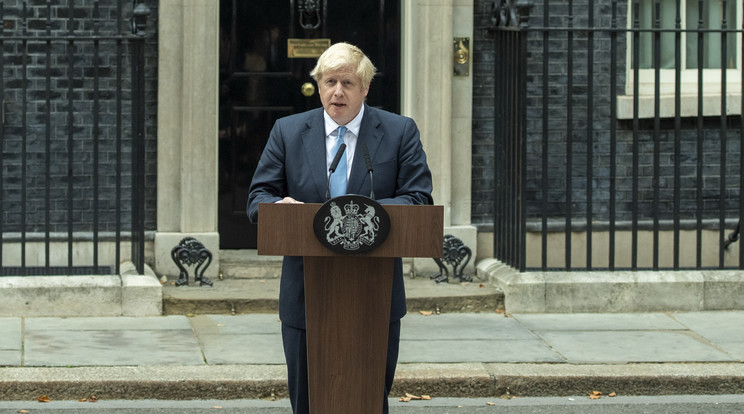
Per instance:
(334,164)
(370,170)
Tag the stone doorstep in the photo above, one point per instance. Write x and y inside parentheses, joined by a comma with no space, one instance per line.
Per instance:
(247,264)
(241,296)
(592,292)
(127,294)
(254,270)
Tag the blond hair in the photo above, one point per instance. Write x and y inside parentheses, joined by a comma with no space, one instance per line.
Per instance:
(345,56)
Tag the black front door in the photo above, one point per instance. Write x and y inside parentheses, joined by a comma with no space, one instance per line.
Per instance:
(260,82)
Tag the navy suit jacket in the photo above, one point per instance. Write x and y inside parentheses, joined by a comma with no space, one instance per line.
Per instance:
(293,164)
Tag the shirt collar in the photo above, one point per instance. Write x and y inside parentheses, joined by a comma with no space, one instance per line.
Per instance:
(354,126)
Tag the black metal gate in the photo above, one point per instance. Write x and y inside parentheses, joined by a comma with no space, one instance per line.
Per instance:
(72,136)
(509,144)
(619,134)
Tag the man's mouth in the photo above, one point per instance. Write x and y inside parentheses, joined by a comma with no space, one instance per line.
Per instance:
(337,104)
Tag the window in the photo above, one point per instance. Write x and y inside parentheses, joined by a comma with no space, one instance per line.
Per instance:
(700,22)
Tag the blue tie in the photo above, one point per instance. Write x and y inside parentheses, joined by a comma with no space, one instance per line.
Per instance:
(338,180)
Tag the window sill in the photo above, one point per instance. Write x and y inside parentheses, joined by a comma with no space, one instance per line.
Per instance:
(688,106)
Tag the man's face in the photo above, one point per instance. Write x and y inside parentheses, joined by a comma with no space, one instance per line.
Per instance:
(342,95)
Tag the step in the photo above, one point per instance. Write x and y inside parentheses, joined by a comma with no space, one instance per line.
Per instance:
(254,295)
(247,264)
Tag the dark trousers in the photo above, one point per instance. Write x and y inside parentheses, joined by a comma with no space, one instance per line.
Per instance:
(295,352)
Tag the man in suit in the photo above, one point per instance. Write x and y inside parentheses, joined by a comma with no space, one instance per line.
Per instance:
(294,169)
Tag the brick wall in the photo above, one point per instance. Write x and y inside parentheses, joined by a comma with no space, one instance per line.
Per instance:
(30,124)
(483,117)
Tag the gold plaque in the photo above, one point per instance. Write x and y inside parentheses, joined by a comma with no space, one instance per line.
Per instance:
(307,48)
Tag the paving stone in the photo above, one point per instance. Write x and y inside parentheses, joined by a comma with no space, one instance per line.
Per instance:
(717,327)
(110,347)
(236,324)
(10,358)
(466,350)
(598,321)
(615,347)
(242,349)
(465,325)
(10,337)
(721,328)
(145,323)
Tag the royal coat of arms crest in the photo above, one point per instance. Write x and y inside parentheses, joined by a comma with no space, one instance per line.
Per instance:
(351,224)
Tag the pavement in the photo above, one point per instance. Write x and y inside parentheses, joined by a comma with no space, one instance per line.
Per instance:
(464,354)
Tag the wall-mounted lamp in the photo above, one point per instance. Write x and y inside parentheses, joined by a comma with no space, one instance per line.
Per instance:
(139,19)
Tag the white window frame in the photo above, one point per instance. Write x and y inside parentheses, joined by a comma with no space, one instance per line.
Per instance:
(688,84)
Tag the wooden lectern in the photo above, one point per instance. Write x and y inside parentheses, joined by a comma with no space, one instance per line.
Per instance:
(347,299)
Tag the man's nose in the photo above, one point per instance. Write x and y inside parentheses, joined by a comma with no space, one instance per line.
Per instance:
(338,90)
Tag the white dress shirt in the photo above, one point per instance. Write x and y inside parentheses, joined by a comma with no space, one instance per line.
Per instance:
(350,139)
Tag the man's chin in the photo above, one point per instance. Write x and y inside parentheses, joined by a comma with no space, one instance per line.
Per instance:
(338,115)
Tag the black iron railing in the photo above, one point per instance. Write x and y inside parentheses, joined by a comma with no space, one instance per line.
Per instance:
(509,142)
(71,136)
(619,134)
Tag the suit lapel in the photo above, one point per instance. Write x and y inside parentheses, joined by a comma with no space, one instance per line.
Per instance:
(313,140)
(371,136)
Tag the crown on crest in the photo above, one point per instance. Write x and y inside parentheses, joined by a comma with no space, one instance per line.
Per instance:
(351,208)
